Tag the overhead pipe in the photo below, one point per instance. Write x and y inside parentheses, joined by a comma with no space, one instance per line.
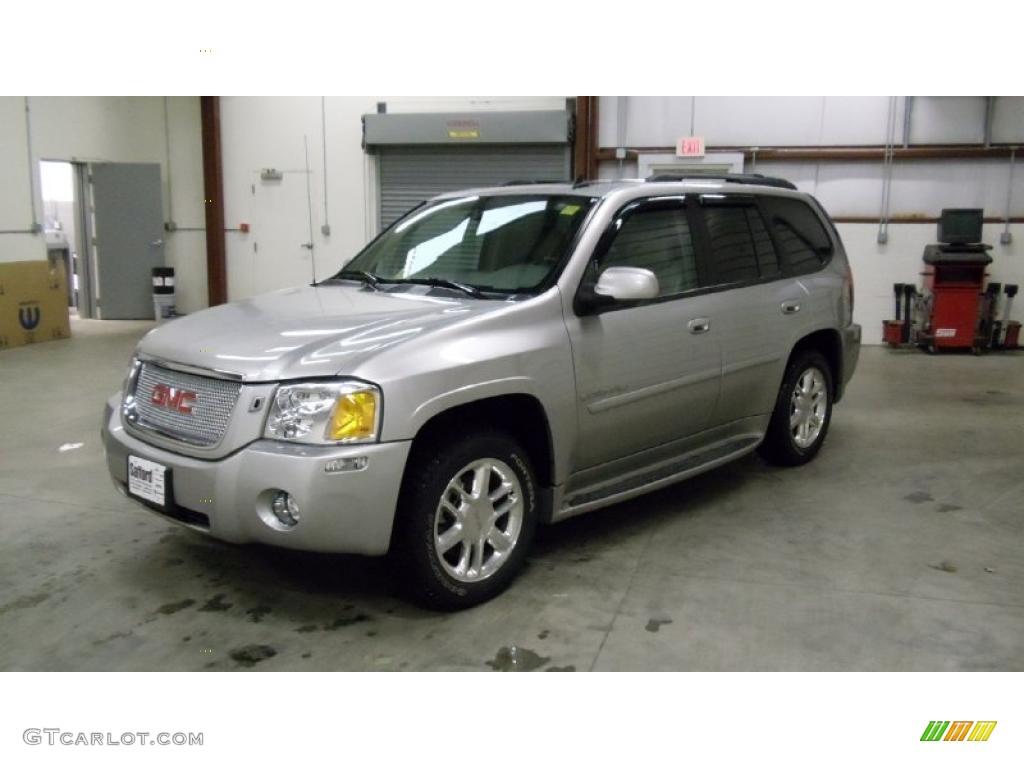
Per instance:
(908,110)
(1007,237)
(845,154)
(36,226)
(621,122)
(325,228)
(887,163)
(171,224)
(990,107)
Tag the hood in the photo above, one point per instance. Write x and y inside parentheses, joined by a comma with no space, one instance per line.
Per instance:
(305,332)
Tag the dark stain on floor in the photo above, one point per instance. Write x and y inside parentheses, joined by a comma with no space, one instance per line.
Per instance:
(307,628)
(512,658)
(168,608)
(346,621)
(543,634)
(918,497)
(567,668)
(949,507)
(653,625)
(945,566)
(112,636)
(216,603)
(251,655)
(28,601)
(256,614)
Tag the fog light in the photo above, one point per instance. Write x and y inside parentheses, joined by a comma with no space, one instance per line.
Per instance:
(350,464)
(285,509)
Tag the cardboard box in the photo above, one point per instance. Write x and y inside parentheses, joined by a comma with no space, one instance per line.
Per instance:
(33,303)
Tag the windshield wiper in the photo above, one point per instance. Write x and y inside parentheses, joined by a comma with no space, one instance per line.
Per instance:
(440,282)
(366,278)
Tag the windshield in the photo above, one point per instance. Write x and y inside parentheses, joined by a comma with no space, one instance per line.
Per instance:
(504,243)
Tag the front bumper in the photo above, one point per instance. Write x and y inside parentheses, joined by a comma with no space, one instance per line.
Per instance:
(349,511)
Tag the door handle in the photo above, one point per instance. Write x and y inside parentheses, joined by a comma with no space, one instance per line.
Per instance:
(699,325)
(790,307)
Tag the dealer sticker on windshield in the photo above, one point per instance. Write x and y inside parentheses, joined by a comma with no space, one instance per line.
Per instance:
(146,479)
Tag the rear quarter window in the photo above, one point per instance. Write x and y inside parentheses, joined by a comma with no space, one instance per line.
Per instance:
(803,242)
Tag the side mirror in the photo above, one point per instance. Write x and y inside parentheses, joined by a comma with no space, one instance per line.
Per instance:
(627,284)
(618,284)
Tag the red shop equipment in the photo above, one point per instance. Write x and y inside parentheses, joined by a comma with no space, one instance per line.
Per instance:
(954,284)
(955,279)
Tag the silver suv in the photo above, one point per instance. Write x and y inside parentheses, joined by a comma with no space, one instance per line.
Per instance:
(496,359)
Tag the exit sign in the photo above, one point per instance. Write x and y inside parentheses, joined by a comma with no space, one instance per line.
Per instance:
(690,146)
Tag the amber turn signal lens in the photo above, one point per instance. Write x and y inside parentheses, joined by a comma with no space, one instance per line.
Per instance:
(354,417)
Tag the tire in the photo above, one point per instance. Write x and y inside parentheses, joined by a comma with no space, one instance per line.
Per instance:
(447,552)
(785,443)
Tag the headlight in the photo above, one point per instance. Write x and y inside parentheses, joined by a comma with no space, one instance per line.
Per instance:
(325,413)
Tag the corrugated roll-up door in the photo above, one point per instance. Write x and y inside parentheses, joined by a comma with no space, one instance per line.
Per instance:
(411,174)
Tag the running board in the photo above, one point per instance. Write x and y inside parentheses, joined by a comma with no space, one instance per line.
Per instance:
(655,477)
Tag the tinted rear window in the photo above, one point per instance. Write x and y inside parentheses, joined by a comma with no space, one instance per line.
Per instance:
(741,248)
(802,238)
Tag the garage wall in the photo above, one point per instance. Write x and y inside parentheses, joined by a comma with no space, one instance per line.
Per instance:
(17,243)
(113,129)
(261,132)
(657,121)
(268,133)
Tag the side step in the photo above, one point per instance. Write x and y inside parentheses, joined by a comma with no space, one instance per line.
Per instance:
(655,477)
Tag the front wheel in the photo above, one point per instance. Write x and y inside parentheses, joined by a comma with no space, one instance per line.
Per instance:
(802,412)
(466,519)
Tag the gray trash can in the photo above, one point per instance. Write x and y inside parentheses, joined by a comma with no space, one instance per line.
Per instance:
(163,294)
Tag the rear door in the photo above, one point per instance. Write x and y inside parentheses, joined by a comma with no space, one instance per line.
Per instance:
(647,372)
(128,237)
(760,311)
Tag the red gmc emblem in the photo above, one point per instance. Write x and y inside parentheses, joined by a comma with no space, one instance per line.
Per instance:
(176,399)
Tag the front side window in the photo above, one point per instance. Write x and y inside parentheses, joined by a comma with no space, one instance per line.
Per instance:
(658,239)
(503,243)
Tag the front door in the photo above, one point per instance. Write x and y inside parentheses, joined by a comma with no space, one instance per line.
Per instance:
(128,237)
(647,373)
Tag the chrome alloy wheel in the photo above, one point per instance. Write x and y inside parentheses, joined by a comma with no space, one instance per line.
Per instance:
(808,407)
(478,520)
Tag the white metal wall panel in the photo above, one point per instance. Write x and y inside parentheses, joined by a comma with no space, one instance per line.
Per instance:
(410,175)
(1008,120)
(947,120)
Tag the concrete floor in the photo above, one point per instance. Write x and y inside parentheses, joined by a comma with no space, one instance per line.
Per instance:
(899,548)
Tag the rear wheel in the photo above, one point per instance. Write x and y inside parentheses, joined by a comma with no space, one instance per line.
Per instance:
(802,413)
(466,519)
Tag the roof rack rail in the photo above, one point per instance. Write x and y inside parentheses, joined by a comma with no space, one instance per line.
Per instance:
(732,178)
(528,182)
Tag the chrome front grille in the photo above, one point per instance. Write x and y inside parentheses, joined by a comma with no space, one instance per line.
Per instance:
(203,419)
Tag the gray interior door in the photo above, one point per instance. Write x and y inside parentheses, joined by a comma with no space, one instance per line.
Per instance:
(128,236)
(411,174)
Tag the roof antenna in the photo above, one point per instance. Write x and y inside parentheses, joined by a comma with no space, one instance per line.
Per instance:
(309,209)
